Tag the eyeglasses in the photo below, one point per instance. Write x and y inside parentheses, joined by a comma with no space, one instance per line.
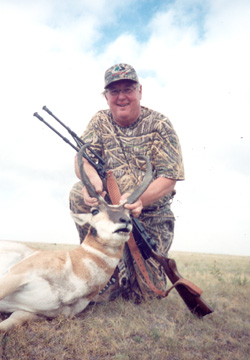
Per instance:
(126,91)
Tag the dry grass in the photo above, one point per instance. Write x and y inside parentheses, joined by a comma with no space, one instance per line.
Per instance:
(159,329)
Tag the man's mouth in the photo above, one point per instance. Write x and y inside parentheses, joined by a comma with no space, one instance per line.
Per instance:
(122,105)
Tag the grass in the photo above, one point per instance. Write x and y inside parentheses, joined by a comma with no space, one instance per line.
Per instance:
(157,329)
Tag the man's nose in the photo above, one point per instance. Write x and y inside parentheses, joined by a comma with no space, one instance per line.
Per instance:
(121,94)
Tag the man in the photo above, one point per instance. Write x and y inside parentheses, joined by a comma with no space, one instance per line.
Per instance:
(119,135)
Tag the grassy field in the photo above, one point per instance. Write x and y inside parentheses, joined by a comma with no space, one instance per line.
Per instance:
(154,330)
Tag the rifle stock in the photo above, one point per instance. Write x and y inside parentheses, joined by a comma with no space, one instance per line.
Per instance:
(189,292)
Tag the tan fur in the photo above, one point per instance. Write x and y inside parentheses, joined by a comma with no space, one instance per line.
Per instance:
(49,283)
(10,283)
(79,254)
(42,259)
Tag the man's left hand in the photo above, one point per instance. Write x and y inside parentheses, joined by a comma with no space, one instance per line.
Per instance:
(134,208)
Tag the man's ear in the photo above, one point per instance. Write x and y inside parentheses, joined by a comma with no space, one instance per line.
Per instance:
(81,219)
(105,95)
(140,91)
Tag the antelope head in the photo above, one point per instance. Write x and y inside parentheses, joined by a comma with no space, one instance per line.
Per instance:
(111,222)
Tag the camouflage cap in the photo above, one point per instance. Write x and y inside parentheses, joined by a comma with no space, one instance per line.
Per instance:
(119,72)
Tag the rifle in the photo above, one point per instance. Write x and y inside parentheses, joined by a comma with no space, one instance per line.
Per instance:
(188,291)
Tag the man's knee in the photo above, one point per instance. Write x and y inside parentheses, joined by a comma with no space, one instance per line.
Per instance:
(76,201)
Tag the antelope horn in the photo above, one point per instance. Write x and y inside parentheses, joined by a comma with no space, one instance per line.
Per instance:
(139,190)
(85,180)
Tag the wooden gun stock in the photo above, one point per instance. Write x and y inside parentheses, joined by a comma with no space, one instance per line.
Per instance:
(189,292)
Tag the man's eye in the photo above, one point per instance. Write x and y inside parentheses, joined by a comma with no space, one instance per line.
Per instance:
(114,92)
(127,91)
(94,212)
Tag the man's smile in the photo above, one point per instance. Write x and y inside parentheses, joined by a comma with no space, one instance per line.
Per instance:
(122,105)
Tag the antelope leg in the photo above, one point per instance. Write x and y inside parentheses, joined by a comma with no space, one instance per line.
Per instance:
(17,318)
(9,284)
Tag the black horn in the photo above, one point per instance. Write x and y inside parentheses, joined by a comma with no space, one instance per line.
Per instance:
(139,190)
(85,180)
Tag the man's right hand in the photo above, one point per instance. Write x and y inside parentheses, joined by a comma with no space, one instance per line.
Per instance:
(89,200)
(95,180)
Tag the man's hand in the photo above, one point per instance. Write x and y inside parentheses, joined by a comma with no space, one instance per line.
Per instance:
(156,190)
(89,200)
(135,208)
(95,180)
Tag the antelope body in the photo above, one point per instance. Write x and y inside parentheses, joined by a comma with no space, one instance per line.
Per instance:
(37,283)
(48,283)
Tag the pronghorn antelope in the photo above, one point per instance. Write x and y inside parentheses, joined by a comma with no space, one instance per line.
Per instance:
(36,283)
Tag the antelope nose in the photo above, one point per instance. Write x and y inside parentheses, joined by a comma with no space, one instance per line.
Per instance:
(127,221)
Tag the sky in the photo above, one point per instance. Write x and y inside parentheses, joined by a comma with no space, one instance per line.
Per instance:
(192,58)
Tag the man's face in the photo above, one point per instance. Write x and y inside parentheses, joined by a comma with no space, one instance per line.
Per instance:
(123,98)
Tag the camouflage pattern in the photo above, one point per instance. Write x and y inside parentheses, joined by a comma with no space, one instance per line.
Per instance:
(77,206)
(120,72)
(151,135)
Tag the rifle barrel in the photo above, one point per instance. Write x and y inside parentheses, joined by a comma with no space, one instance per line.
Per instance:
(72,133)
(77,139)
(99,166)
(53,129)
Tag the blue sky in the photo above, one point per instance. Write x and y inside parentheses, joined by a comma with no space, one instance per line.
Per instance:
(192,59)
(134,20)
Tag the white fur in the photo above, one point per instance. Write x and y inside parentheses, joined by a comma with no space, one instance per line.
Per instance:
(110,261)
(37,283)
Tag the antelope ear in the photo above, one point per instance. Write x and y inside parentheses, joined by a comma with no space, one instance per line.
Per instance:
(80,219)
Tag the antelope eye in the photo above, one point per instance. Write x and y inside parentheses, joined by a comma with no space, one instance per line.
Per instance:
(94,211)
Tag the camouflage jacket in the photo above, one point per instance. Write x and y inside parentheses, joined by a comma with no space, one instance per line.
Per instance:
(151,135)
